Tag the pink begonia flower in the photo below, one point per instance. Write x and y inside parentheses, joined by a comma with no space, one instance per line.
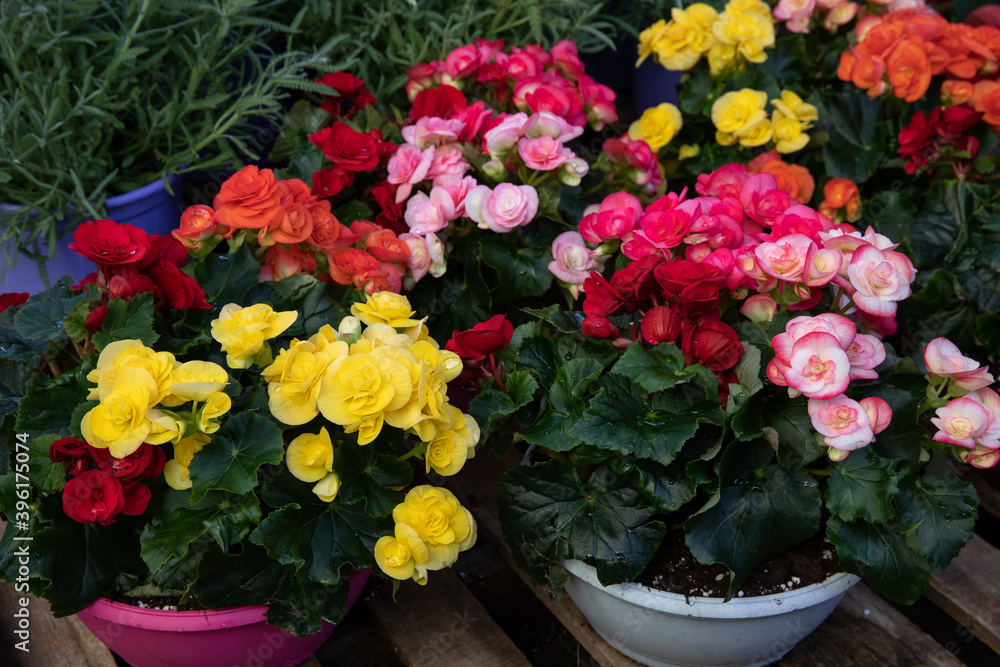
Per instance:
(430,131)
(407,167)
(572,171)
(799,24)
(461,62)
(519,65)
(788,9)
(879,413)
(567,59)
(458,192)
(542,153)
(840,15)
(963,422)
(725,182)
(830,4)
(881,278)
(723,258)
(784,258)
(818,366)
(801,219)
(822,266)
(473,117)
(865,354)
(945,360)
(501,140)
(487,49)
(425,214)
(759,308)
(547,124)
(503,208)
(636,246)
(448,165)
(572,261)
(843,422)
(419,261)
(762,200)
(436,249)
(981,457)
(840,328)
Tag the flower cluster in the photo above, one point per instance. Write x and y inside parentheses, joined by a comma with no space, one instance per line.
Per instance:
(363,378)
(899,52)
(528,80)
(738,35)
(799,14)
(943,137)
(129,262)
(101,486)
(971,419)
(432,528)
(140,389)
(740,116)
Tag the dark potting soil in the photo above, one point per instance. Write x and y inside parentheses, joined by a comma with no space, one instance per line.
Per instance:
(171,602)
(675,570)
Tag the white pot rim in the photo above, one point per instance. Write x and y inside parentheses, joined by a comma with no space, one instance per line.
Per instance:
(704,607)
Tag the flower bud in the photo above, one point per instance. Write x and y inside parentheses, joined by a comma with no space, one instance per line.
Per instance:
(495,169)
(759,308)
(349,329)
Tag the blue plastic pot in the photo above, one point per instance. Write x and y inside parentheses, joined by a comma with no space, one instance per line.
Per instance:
(150,207)
(653,84)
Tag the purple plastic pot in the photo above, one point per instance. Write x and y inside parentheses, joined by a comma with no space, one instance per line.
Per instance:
(150,207)
(240,636)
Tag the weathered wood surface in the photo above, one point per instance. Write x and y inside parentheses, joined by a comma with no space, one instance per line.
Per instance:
(443,624)
(54,641)
(865,630)
(969,590)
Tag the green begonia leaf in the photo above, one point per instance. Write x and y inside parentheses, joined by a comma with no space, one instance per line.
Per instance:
(862,486)
(367,477)
(760,510)
(229,462)
(939,512)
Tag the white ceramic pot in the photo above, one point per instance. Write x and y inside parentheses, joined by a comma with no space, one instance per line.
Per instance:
(670,630)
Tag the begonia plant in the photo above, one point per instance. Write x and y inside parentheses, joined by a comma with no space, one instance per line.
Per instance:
(731,375)
(194,434)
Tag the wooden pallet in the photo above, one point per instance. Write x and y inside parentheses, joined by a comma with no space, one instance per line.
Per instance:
(456,621)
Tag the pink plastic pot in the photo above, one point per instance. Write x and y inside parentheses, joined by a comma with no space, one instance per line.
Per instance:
(240,636)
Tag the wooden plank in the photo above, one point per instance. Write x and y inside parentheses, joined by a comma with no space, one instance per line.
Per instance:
(442,624)
(989,495)
(476,486)
(53,641)
(865,630)
(969,590)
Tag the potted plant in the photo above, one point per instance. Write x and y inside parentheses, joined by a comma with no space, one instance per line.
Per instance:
(80,137)
(732,388)
(197,436)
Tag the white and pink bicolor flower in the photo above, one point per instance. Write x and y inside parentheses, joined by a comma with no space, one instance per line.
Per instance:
(965,422)
(945,360)
(881,278)
(843,422)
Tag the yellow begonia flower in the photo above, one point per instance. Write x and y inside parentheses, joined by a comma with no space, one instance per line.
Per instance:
(119,423)
(435,514)
(242,331)
(721,57)
(443,364)
(788,133)
(749,7)
(647,38)
(688,151)
(216,406)
(792,106)
(177,476)
(360,386)
(165,426)
(420,333)
(367,428)
(724,138)
(739,109)
(398,555)
(310,456)
(680,44)
(657,125)
(378,335)
(185,450)
(159,365)
(755,135)
(295,378)
(326,489)
(197,380)
(385,308)
(748,31)
(452,446)
(408,413)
